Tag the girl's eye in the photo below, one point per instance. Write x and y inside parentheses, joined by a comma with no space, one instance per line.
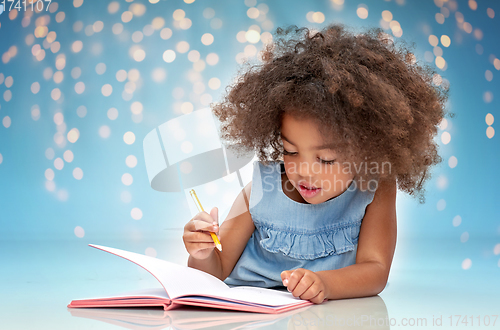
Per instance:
(288,153)
(327,161)
(321,160)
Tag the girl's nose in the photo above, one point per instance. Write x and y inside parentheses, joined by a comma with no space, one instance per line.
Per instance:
(306,170)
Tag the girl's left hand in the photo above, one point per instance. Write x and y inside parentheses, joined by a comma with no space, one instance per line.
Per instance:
(305,284)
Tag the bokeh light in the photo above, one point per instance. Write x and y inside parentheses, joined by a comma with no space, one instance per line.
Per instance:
(78,173)
(79,232)
(73,135)
(68,156)
(127,179)
(129,137)
(131,161)
(136,213)
(112,113)
(169,56)
(362,11)
(104,131)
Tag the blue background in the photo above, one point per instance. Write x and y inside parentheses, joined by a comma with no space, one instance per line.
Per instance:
(32,215)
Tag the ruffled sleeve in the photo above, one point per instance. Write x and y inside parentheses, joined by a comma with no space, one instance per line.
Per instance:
(310,245)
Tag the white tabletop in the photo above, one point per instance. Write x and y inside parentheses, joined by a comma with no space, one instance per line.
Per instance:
(38,280)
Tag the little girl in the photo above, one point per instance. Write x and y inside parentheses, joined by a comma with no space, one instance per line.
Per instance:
(340,121)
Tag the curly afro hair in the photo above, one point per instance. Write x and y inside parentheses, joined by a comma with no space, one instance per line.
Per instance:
(369,97)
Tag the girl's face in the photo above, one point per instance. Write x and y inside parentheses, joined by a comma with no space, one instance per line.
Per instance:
(311,163)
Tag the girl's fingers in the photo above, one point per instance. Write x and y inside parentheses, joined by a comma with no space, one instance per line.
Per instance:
(203,220)
(203,225)
(214,213)
(294,279)
(311,292)
(202,246)
(199,237)
(301,287)
(318,299)
(201,250)
(285,275)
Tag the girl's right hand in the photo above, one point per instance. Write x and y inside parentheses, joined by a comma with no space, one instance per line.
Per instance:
(197,239)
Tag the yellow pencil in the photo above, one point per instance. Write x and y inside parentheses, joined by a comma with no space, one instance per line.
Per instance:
(200,208)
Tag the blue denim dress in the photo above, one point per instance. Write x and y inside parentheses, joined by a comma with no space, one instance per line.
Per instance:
(290,235)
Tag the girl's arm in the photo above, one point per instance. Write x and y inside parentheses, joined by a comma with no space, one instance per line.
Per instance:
(234,234)
(368,276)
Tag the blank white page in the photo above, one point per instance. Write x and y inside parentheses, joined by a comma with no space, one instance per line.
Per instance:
(177,280)
(256,295)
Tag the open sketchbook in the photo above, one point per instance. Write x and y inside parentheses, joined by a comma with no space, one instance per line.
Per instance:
(188,286)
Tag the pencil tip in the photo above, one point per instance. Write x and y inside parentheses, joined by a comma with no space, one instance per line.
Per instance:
(219,247)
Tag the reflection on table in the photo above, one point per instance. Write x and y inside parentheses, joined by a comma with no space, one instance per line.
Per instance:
(359,313)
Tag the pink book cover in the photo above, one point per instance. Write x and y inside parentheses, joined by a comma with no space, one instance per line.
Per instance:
(183,285)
